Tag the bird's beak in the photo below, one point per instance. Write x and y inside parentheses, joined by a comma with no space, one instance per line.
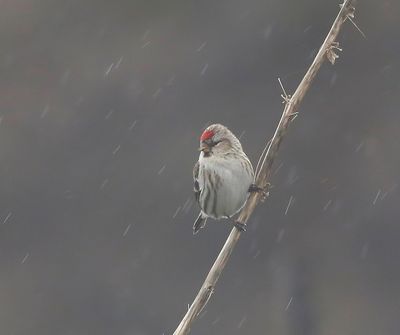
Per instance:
(204,147)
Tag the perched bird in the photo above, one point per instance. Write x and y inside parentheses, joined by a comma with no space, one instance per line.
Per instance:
(223,176)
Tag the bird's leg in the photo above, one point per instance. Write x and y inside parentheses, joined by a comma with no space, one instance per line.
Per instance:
(255,189)
(239,225)
(242,227)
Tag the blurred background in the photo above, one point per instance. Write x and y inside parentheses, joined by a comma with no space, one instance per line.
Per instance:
(101,106)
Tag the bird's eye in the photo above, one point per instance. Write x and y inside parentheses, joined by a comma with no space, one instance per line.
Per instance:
(217,142)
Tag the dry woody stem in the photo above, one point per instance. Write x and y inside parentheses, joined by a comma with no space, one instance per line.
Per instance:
(328,51)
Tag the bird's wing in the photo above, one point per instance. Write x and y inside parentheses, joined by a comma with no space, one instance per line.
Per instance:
(197,189)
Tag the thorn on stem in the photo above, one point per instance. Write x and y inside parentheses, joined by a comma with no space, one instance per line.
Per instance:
(357,27)
(286,97)
(293,116)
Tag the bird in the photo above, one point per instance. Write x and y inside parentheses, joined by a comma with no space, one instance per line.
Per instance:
(223,176)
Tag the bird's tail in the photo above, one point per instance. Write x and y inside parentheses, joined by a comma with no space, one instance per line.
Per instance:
(199,223)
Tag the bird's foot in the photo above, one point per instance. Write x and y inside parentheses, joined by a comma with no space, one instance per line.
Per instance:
(242,227)
(254,188)
(257,189)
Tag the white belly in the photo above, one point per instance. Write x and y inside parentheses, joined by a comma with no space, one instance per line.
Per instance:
(230,184)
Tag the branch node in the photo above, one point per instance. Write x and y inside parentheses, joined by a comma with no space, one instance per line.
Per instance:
(350,15)
(264,191)
(264,196)
(209,290)
(293,116)
(350,10)
(286,99)
(331,52)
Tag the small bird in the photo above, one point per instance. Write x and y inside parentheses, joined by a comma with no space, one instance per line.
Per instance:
(223,176)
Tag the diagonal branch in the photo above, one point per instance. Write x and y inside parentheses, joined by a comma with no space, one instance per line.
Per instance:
(327,50)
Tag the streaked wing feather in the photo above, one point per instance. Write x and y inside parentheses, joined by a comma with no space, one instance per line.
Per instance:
(197,189)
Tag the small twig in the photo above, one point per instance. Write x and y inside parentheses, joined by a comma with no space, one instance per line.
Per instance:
(260,159)
(285,96)
(350,17)
(354,24)
(265,169)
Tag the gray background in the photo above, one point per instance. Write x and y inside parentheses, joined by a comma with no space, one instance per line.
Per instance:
(102,104)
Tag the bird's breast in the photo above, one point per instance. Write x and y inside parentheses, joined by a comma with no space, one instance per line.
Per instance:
(225,185)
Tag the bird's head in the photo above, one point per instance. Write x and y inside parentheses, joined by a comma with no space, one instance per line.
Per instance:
(218,140)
